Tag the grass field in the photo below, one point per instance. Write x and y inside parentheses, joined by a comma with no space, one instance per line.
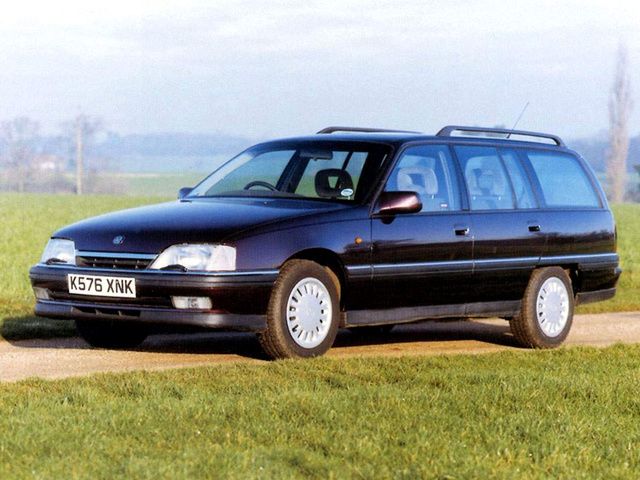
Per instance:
(29,220)
(570,413)
(628,294)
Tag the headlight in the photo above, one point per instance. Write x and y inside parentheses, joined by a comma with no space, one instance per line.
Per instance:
(59,251)
(197,257)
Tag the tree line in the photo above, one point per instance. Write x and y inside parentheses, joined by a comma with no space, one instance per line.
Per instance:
(26,164)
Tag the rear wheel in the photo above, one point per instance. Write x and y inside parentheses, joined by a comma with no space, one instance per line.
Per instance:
(111,334)
(303,312)
(547,310)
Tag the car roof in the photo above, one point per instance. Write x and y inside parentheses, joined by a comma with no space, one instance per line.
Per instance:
(396,138)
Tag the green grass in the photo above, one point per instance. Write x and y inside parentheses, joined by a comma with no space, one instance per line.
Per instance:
(628,295)
(571,413)
(29,220)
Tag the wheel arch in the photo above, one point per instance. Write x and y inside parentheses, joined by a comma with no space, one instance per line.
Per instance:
(573,272)
(331,261)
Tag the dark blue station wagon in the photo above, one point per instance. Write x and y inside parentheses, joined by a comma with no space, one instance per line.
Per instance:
(349,228)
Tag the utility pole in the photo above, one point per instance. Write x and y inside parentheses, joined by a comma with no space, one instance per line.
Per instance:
(81,131)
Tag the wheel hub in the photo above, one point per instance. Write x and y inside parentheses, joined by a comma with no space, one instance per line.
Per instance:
(552,307)
(309,312)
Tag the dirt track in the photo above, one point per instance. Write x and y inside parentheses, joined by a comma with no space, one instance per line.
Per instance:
(58,358)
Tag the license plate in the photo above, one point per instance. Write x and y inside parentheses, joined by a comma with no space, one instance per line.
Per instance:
(99,286)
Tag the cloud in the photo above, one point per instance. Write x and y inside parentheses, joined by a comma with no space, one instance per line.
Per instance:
(268,68)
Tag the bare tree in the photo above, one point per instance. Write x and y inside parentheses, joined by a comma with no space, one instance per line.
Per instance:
(19,135)
(620,105)
(81,130)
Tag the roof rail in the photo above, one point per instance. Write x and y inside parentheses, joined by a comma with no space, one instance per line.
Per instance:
(449,129)
(362,130)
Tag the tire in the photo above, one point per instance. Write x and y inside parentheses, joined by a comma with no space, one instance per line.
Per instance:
(110,334)
(293,333)
(372,331)
(547,310)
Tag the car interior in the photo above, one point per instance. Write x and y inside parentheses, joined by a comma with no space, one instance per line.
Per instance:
(487,183)
(333,183)
(428,178)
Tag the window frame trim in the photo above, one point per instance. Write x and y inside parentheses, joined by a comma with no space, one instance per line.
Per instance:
(527,177)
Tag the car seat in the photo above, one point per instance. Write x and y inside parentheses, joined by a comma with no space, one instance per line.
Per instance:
(424,182)
(488,188)
(333,183)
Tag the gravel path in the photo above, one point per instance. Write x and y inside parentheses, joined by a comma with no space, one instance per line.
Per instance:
(59,358)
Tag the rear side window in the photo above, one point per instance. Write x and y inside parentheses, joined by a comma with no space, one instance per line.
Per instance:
(563,181)
(487,181)
(427,170)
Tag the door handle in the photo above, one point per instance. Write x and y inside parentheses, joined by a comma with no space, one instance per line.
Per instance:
(534,228)
(462,231)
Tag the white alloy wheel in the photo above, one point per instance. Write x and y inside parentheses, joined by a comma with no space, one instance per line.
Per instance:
(552,307)
(309,312)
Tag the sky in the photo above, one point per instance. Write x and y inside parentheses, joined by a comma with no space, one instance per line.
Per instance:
(265,69)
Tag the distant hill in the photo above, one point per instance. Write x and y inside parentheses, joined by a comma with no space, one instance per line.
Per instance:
(168,152)
(166,144)
(594,150)
(154,152)
(200,153)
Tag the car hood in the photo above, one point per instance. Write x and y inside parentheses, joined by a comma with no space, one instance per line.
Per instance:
(153,228)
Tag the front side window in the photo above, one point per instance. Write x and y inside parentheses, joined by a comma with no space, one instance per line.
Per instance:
(427,170)
(341,171)
(486,177)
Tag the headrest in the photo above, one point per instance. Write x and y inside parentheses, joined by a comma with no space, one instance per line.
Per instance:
(484,179)
(418,179)
(332,183)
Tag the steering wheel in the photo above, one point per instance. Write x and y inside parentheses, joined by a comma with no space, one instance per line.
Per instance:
(260,183)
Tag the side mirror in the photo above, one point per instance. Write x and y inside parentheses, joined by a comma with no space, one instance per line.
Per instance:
(183,192)
(394,203)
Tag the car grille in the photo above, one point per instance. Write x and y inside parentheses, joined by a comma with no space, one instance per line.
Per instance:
(120,262)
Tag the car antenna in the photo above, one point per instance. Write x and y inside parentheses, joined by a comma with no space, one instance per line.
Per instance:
(518,120)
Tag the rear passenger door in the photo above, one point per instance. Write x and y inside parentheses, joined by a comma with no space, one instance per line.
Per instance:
(423,258)
(505,221)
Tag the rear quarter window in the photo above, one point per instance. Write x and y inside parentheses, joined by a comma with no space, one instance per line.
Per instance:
(563,181)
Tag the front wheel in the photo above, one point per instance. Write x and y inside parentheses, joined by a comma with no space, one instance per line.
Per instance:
(547,310)
(303,312)
(111,334)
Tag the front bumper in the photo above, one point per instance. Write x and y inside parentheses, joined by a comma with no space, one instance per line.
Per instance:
(239,299)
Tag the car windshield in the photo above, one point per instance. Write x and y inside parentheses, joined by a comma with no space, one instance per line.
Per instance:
(321,170)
